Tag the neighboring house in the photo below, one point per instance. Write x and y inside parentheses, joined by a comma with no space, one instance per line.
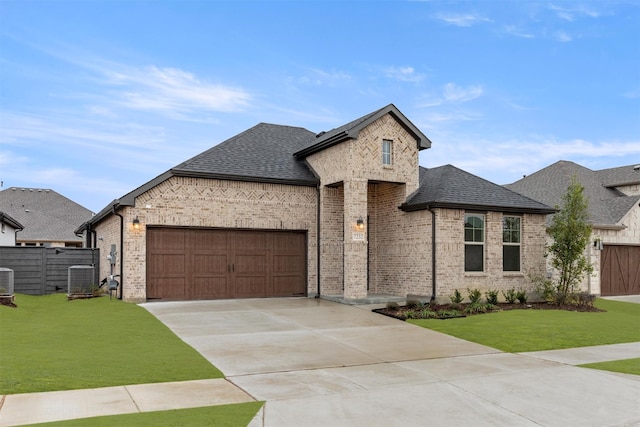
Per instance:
(346,214)
(613,196)
(8,229)
(47,218)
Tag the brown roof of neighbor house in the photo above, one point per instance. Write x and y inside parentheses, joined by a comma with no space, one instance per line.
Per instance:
(607,205)
(44,214)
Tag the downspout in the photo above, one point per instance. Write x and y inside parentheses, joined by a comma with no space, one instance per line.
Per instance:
(433,253)
(318,242)
(113,209)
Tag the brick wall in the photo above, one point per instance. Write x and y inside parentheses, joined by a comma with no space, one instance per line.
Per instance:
(199,202)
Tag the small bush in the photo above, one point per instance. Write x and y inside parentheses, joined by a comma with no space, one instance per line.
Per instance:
(428,313)
(410,314)
(474,295)
(445,314)
(456,298)
(545,287)
(521,296)
(585,299)
(412,303)
(492,297)
(392,305)
(510,296)
(476,307)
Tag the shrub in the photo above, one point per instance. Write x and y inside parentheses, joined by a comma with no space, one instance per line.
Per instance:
(392,305)
(474,295)
(510,295)
(428,313)
(445,314)
(545,287)
(585,299)
(412,303)
(456,298)
(521,296)
(492,297)
(410,314)
(476,307)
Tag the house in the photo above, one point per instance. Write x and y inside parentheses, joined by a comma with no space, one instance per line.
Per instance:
(8,229)
(345,214)
(47,217)
(613,196)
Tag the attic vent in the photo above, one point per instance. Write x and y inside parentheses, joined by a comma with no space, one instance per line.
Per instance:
(81,279)
(6,282)
(318,135)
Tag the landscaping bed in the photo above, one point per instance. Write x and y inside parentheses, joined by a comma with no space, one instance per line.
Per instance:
(451,311)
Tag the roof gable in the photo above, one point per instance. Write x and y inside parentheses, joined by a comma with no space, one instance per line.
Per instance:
(607,206)
(450,187)
(352,129)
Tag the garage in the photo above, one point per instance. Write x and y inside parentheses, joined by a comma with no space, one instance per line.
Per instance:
(620,270)
(194,263)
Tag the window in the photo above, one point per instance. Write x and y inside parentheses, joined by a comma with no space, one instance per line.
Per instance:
(473,242)
(386,152)
(511,243)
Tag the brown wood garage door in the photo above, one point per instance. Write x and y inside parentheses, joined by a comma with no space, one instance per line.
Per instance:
(187,263)
(620,270)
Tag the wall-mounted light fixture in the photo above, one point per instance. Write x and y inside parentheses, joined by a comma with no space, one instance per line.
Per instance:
(136,223)
(597,244)
(360,224)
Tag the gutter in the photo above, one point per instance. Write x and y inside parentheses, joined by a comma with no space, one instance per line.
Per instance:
(433,253)
(318,242)
(113,210)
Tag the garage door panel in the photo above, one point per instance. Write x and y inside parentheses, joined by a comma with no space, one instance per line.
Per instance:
(287,263)
(210,287)
(213,241)
(168,264)
(250,287)
(250,264)
(170,287)
(620,270)
(284,285)
(204,263)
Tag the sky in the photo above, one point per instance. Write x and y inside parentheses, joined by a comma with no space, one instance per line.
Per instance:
(99,97)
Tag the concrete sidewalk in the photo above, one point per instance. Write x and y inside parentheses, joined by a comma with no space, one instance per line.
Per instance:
(30,408)
(318,363)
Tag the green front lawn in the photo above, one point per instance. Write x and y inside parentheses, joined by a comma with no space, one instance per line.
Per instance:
(536,330)
(48,343)
(627,366)
(235,415)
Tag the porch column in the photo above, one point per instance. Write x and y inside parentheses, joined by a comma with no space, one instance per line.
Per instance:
(355,239)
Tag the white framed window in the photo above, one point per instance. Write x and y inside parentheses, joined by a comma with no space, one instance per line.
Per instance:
(474,242)
(387,154)
(511,234)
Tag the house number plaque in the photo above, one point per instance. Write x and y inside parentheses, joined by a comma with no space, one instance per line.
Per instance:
(359,237)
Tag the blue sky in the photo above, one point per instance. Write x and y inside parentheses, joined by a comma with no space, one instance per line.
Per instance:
(97,98)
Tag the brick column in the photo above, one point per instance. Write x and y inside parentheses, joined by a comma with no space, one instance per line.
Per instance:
(355,241)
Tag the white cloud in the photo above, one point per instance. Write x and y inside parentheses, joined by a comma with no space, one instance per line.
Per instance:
(570,14)
(173,89)
(457,94)
(404,74)
(562,36)
(517,32)
(318,77)
(461,20)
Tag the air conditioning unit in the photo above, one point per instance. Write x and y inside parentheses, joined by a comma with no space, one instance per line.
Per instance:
(81,280)
(6,282)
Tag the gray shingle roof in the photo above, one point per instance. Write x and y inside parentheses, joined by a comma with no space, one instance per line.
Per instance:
(7,219)
(450,187)
(607,206)
(262,153)
(44,214)
(616,177)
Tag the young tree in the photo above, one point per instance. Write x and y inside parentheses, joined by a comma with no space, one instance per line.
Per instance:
(571,233)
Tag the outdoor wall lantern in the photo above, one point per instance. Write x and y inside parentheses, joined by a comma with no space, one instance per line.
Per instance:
(360,224)
(136,223)
(597,243)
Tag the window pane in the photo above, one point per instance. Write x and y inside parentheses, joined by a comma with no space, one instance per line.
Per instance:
(511,229)
(511,258)
(474,228)
(473,257)
(386,152)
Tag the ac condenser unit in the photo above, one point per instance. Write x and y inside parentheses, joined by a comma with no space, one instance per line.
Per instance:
(6,282)
(81,278)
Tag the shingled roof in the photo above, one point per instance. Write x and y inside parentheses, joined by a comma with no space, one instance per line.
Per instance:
(450,187)
(607,205)
(45,214)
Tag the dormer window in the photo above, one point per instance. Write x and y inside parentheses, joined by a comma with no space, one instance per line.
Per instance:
(386,152)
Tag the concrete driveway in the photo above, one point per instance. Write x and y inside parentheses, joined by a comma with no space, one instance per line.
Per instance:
(320,363)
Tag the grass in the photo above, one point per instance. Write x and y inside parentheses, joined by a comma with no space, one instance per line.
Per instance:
(234,415)
(627,366)
(48,343)
(536,330)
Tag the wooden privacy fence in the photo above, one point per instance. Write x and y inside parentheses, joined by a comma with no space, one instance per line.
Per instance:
(42,271)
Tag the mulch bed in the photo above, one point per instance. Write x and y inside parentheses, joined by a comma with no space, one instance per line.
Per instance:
(450,311)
